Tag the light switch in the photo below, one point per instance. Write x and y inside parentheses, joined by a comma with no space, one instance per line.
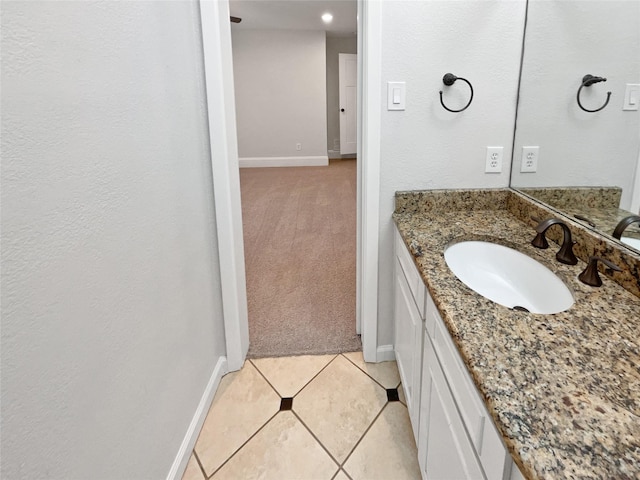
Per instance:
(396,94)
(631,96)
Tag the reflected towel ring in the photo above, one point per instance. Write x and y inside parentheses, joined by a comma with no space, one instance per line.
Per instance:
(449,79)
(587,81)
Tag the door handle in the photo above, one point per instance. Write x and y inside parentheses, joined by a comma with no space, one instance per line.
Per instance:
(342,109)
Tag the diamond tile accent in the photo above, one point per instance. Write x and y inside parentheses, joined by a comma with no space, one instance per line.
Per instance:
(392,395)
(286,404)
(385,373)
(387,450)
(284,449)
(289,374)
(243,403)
(339,405)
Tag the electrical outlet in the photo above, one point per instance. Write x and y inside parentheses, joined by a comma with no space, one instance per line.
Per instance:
(494,160)
(529,162)
(298,146)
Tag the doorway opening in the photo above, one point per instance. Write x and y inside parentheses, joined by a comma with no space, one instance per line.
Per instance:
(216,33)
(298,176)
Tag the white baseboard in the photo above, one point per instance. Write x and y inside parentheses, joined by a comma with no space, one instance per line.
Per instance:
(336,155)
(189,441)
(250,162)
(385,353)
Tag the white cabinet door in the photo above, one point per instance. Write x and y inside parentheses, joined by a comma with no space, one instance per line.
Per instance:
(449,451)
(408,345)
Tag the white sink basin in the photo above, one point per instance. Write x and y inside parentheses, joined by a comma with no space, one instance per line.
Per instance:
(508,277)
(632,242)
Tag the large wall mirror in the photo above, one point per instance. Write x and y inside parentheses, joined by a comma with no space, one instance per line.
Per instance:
(579,150)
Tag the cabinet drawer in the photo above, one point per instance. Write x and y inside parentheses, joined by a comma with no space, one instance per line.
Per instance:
(462,387)
(416,285)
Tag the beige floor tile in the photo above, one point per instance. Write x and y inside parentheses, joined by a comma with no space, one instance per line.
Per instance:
(403,399)
(284,449)
(289,374)
(385,373)
(193,471)
(341,476)
(387,450)
(243,403)
(339,405)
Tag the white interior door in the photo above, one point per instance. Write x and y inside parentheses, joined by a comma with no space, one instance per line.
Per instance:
(348,73)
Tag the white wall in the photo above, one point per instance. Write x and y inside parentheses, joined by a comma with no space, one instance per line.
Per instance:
(335,45)
(280,87)
(426,147)
(111,309)
(565,41)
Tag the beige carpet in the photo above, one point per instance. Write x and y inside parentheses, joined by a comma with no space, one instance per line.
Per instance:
(300,255)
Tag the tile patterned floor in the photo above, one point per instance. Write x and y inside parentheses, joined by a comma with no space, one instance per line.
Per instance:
(329,417)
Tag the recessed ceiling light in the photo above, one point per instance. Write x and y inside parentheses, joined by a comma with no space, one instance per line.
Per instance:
(327,17)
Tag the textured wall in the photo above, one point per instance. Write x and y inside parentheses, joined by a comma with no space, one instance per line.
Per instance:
(111,309)
(566,40)
(281,94)
(426,147)
(335,45)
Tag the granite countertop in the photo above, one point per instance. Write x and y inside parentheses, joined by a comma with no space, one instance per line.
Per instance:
(563,389)
(606,219)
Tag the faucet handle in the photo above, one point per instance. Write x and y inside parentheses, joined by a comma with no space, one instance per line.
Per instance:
(590,274)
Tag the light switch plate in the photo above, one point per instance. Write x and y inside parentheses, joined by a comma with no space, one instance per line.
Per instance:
(396,94)
(631,96)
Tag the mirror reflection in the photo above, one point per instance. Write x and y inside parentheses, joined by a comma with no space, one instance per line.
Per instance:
(577,140)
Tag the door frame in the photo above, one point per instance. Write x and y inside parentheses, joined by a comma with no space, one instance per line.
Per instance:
(218,68)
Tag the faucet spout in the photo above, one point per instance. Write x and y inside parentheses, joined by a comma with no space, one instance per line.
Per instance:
(565,254)
(624,223)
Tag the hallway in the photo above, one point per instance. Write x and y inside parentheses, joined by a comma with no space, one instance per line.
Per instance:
(300,255)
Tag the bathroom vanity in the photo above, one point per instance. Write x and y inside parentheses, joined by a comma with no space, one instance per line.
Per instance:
(498,393)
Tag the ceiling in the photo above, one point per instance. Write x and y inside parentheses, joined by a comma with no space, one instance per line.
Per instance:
(296,15)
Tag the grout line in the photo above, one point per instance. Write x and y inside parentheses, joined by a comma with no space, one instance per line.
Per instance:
(364,435)
(352,363)
(243,445)
(401,387)
(304,386)
(317,439)
(316,375)
(345,473)
(195,455)
(265,378)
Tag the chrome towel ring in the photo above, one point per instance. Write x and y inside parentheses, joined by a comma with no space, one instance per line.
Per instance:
(449,79)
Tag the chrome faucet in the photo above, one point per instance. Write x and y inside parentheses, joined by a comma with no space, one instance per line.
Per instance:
(624,223)
(565,254)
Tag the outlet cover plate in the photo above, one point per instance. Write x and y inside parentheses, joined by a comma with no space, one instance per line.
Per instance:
(529,162)
(493,162)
